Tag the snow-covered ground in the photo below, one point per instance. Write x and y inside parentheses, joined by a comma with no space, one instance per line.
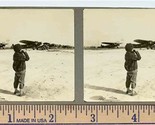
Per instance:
(49,76)
(104,76)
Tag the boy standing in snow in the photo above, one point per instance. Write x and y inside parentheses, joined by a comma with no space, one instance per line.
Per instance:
(131,58)
(19,67)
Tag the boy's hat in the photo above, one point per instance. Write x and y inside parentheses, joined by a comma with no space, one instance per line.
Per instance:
(17,47)
(128,47)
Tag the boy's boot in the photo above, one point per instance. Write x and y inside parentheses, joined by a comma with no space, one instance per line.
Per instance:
(128,91)
(16,91)
(133,92)
(21,93)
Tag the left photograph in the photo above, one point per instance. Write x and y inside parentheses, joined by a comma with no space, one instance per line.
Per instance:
(36,54)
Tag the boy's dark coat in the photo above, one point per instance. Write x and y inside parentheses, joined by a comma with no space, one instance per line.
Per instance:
(131,58)
(19,59)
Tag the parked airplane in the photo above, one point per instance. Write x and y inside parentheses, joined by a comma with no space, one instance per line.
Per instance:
(30,44)
(110,45)
(42,45)
(149,44)
(2,45)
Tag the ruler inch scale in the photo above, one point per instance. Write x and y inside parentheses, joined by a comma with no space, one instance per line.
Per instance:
(77,113)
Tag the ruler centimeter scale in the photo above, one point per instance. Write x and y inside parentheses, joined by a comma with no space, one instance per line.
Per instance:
(76,113)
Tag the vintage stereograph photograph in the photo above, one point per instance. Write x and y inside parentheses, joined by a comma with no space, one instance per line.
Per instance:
(36,54)
(119,55)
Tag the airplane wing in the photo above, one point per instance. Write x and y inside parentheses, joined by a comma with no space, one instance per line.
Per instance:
(107,43)
(143,41)
(27,41)
(116,43)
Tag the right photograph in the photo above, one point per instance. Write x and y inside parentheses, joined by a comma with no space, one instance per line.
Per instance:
(119,55)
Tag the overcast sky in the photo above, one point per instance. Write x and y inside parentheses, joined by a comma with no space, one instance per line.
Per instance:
(45,25)
(57,25)
(118,25)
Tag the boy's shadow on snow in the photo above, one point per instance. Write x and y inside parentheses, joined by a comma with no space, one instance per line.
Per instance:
(6,92)
(104,89)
